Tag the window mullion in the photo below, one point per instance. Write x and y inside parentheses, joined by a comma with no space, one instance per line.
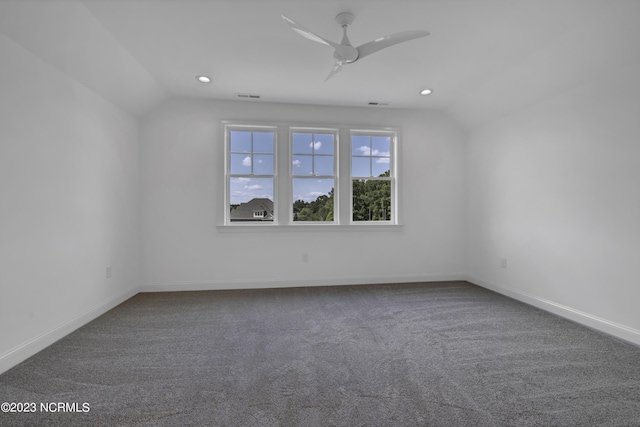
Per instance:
(343,176)
(283,170)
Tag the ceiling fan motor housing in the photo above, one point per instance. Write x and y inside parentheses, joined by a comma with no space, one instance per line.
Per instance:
(346,54)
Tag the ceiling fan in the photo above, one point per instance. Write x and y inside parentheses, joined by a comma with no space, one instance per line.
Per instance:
(345,53)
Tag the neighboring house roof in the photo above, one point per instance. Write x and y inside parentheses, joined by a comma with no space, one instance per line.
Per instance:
(259,209)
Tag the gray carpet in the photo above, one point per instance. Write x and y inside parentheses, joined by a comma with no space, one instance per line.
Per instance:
(436,354)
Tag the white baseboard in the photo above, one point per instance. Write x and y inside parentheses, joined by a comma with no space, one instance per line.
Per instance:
(11,358)
(603,325)
(214,285)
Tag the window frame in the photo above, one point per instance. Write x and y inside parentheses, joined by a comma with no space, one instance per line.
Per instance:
(227,129)
(322,131)
(283,176)
(393,169)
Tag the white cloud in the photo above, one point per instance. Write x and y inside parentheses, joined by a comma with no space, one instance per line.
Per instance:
(242,180)
(382,160)
(315,145)
(297,163)
(364,150)
(259,161)
(253,187)
(246,161)
(310,196)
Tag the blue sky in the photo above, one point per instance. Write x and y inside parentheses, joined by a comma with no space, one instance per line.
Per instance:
(252,153)
(312,156)
(310,189)
(370,155)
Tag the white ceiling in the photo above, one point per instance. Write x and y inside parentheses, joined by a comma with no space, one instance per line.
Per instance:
(484,58)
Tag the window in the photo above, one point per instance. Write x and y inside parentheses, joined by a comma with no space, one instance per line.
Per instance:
(313,175)
(250,174)
(338,175)
(371,176)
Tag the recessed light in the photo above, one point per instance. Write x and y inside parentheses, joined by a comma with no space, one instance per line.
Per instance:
(426,91)
(203,79)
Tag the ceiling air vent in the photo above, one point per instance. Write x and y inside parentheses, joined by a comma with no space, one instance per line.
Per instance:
(247,95)
(378,104)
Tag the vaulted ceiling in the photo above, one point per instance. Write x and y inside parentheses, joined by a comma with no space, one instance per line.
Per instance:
(483,59)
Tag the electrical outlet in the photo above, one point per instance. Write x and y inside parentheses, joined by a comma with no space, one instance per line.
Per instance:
(503,262)
(305,257)
(108,273)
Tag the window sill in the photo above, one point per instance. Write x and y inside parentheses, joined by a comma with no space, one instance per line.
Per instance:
(279,228)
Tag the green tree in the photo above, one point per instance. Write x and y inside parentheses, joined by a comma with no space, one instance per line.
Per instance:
(371,202)
(372,199)
(320,209)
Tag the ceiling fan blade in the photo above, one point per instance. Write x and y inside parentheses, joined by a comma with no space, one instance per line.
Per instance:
(390,40)
(335,70)
(306,33)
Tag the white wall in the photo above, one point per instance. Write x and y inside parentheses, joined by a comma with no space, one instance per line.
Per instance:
(68,204)
(554,189)
(182,178)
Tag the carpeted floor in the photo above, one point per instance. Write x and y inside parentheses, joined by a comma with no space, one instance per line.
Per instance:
(430,354)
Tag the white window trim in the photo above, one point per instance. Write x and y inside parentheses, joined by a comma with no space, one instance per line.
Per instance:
(336,183)
(227,128)
(283,188)
(393,133)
